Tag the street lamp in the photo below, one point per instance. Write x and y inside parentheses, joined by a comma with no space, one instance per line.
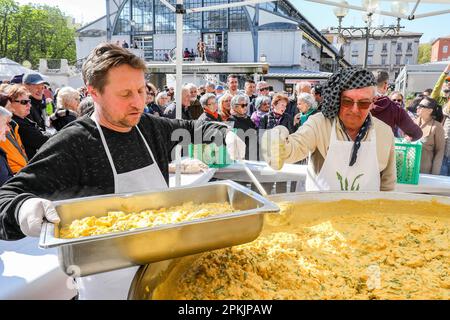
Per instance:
(340,13)
(368,31)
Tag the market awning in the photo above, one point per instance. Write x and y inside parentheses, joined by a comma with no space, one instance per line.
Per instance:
(210,68)
(296,73)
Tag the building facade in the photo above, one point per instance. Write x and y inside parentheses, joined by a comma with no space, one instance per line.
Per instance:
(440,49)
(389,52)
(275,30)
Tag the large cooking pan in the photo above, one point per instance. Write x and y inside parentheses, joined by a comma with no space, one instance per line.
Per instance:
(148,277)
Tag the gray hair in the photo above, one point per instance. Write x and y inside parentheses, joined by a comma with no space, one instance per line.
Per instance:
(308,99)
(65,94)
(205,98)
(260,100)
(160,95)
(302,84)
(190,86)
(4,113)
(237,100)
(261,84)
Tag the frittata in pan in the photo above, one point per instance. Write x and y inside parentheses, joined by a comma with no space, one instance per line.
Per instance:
(347,256)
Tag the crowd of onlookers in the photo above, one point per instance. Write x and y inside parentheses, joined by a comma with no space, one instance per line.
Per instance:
(31,113)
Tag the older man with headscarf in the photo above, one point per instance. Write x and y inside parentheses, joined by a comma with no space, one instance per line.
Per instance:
(349,149)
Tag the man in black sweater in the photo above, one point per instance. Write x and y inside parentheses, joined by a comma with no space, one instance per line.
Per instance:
(117,149)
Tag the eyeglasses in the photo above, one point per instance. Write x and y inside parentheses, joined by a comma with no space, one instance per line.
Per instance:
(23,102)
(349,103)
(264,89)
(421,106)
(398,100)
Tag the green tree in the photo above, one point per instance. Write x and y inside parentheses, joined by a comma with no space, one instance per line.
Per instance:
(424,55)
(32,32)
(7,9)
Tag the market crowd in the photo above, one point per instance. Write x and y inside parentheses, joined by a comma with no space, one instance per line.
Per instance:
(32,112)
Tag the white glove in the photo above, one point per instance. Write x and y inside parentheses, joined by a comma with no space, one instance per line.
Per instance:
(235,146)
(273,146)
(32,214)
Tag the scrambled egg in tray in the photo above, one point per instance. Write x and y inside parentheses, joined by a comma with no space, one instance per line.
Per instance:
(117,221)
(347,256)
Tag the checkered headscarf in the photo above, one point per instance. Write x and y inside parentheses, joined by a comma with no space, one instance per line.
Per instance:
(345,79)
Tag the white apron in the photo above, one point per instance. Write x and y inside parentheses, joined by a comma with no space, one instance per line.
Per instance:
(337,175)
(115,284)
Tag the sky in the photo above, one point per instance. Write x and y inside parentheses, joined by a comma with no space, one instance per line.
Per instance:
(320,15)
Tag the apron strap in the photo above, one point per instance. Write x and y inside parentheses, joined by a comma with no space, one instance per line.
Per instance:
(146,144)
(105,145)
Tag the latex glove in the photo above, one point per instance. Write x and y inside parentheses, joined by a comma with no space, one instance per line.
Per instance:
(273,146)
(32,214)
(235,146)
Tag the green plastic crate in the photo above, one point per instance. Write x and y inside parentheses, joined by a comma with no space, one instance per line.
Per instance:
(211,154)
(407,158)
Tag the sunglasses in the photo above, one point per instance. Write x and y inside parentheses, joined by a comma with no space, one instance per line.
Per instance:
(349,103)
(398,100)
(23,102)
(244,105)
(421,106)
(264,89)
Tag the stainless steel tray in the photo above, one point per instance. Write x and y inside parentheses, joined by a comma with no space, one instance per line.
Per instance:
(148,277)
(94,254)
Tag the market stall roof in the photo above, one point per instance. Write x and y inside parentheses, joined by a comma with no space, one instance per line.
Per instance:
(210,68)
(281,72)
(10,68)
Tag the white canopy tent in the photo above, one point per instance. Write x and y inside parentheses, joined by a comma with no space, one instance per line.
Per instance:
(9,69)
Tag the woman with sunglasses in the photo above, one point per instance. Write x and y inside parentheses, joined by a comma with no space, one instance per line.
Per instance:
(30,133)
(12,145)
(262,106)
(433,139)
(151,106)
(247,129)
